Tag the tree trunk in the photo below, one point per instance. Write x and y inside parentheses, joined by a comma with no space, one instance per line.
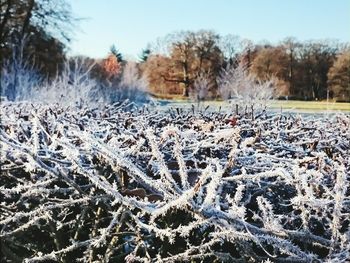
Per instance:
(4,21)
(186,89)
(26,21)
(291,79)
(186,79)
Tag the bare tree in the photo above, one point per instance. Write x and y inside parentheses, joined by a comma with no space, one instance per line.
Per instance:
(291,45)
(19,77)
(231,46)
(189,54)
(133,86)
(201,87)
(73,87)
(238,86)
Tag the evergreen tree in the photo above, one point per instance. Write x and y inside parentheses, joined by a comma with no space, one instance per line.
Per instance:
(145,54)
(116,53)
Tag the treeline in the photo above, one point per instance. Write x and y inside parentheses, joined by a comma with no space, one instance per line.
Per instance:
(37,32)
(312,70)
(303,70)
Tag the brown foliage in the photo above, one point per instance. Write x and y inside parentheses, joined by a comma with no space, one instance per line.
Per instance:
(111,66)
(339,77)
(157,68)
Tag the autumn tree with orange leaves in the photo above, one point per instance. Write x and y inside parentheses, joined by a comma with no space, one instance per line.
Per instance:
(111,66)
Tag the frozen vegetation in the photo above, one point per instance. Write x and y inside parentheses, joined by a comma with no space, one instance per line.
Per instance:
(74,86)
(93,170)
(84,184)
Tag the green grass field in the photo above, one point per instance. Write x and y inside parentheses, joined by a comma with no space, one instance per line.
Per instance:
(310,105)
(276,104)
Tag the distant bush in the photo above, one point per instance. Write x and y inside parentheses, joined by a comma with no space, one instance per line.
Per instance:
(238,86)
(73,86)
(19,79)
(132,86)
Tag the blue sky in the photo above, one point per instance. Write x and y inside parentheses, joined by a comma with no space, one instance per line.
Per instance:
(131,24)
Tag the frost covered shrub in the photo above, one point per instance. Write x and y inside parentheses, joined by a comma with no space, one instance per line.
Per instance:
(111,186)
(237,85)
(73,87)
(132,86)
(200,88)
(19,80)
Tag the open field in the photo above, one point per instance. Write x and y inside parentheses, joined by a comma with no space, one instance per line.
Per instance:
(147,185)
(311,105)
(299,106)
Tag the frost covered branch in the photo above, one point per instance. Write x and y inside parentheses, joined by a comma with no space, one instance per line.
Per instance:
(107,185)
